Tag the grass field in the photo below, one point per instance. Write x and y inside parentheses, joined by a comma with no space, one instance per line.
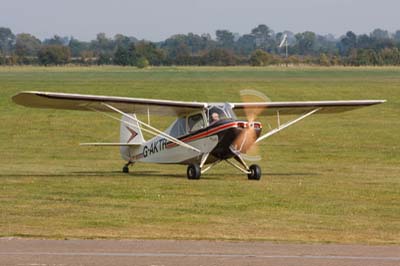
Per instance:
(330,178)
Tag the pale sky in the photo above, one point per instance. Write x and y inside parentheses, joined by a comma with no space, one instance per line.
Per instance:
(156,20)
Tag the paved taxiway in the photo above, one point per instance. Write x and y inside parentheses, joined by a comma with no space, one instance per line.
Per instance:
(170,252)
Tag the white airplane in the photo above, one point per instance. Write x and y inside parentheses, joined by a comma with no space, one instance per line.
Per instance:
(202,135)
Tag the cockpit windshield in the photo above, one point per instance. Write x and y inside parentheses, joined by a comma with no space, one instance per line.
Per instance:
(219,112)
(196,121)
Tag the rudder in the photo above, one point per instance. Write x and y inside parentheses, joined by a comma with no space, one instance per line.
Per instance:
(130,133)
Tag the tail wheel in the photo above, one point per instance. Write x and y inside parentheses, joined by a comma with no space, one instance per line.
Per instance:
(125,169)
(193,171)
(255,172)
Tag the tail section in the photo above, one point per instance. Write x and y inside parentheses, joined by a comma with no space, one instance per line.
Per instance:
(130,133)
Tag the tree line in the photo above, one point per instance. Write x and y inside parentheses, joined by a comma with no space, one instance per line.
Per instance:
(259,47)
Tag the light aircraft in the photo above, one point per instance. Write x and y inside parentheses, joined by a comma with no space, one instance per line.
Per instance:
(202,135)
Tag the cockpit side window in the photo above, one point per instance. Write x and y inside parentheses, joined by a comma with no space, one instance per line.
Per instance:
(178,128)
(195,122)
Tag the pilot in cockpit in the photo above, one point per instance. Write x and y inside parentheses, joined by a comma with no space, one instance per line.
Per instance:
(214,118)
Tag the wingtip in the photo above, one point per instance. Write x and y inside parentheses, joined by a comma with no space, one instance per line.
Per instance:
(380,101)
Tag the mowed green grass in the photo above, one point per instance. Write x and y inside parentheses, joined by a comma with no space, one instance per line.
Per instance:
(330,178)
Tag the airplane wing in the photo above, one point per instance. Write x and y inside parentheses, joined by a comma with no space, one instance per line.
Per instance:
(85,102)
(293,108)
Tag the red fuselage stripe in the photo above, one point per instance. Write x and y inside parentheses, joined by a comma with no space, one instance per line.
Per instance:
(205,133)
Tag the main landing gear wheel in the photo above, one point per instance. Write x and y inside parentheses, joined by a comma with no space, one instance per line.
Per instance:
(193,171)
(255,172)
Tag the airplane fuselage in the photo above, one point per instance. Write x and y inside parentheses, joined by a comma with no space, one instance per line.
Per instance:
(216,139)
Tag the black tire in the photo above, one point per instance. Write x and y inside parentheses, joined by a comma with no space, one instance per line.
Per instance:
(193,171)
(125,169)
(255,172)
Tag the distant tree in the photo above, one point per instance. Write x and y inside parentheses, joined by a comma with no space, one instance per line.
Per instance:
(26,45)
(379,34)
(364,41)
(129,56)
(326,44)
(207,42)
(245,44)
(377,40)
(7,39)
(347,43)
(122,56)
(376,48)
(397,36)
(57,40)
(262,31)
(102,44)
(294,60)
(195,43)
(54,55)
(367,57)
(260,58)
(142,62)
(336,60)
(305,43)
(150,52)
(220,57)
(124,41)
(263,37)
(178,49)
(390,56)
(374,58)
(2,59)
(12,59)
(324,60)
(225,38)
(87,57)
(351,59)
(104,58)
(77,47)
(183,55)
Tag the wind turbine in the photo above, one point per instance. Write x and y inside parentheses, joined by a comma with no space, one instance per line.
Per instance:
(284,42)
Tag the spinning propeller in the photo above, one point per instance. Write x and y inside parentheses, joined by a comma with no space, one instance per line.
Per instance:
(245,142)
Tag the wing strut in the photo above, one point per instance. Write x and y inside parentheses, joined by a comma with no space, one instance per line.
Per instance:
(153,130)
(288,124)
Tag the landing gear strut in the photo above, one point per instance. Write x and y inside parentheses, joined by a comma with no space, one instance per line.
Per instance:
(253,172)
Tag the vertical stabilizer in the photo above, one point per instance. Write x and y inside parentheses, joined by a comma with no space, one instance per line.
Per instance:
(130,133)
